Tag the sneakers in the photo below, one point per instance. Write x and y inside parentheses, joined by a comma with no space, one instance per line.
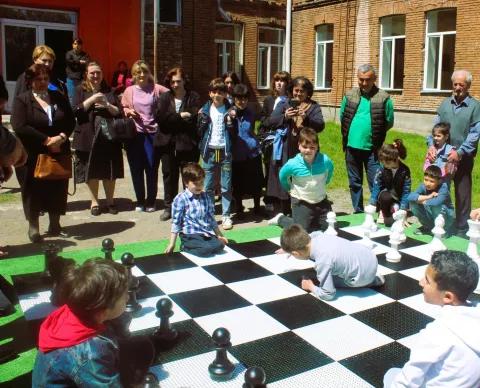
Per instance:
(139,208)
(150,209)
(166,215)
(378,281)
(227,223)
(274,220)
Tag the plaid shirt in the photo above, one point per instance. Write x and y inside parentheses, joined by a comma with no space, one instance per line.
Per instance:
(193,213)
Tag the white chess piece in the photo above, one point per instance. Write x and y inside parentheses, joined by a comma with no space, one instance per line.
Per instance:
(393,255)
(398,226)
(369,222)
(366,239)
(474,234)
(438,232)
(331,219)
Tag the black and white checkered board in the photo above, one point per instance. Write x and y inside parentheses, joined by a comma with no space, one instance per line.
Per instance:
(298,339)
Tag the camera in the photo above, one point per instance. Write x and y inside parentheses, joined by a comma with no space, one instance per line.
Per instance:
(294,104)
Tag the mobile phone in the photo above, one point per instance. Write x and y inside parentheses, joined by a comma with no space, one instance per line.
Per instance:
(294,104)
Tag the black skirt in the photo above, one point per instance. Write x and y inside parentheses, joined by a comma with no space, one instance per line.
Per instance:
(247,177)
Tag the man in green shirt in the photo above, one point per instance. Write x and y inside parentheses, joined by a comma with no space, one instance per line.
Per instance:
(366,114)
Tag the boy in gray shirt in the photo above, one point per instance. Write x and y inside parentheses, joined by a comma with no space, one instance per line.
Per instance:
(338,262)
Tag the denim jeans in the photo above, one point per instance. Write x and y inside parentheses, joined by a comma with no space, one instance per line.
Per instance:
(71,85)
(426,214)
(356,161)
(217,163)
(200,245)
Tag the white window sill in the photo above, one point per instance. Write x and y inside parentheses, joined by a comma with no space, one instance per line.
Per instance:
(322,89)
(392,90)
(435,91)
(262,87)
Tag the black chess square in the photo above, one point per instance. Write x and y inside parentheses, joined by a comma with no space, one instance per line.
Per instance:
(32,283)
(407,262)
(408,243)
(147,288)
(474,298)
(295,277)
(281,356)
(163,263)
(394,319)
(372,365)
(255,248)
(211,300)
(347,236)
(399,286)
(300,311)
(235,271)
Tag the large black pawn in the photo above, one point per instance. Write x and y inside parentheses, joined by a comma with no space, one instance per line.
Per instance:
(133,307)
(254,378)
(150,381)
(221,368)
(164,311)
(51,257)
(108,247)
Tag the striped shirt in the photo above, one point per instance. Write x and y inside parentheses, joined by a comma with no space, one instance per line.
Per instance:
(193,213)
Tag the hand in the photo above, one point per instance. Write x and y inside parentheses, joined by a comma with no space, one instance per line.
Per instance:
(223,240)
(431,154)
(302,113)
(99,99)
(185,115)
(433,195)
(232,113)
(55,141)
(308,285)
(475,214)
(83,61)
(291,112)
(131,113)
(453,157)
(280,251)
(169,248)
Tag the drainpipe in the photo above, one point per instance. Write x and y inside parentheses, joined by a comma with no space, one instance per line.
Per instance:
(155,31)
(288,36)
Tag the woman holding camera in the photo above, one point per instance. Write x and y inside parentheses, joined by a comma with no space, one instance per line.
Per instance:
(289,117)
(43,121)
(97,158)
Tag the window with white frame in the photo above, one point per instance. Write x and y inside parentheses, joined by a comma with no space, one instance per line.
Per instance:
(392,51)
(324,56)
(439,49)
(271,53)
(228,40)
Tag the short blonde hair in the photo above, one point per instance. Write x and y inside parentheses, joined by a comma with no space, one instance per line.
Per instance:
(38,51)
(138,66)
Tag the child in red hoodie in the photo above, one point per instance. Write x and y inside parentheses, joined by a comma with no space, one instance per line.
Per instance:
(77,344)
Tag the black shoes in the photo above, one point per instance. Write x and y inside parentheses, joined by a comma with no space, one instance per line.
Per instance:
(166,215)
(33,233)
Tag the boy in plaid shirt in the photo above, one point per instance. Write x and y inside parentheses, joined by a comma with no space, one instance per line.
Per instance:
(193,217)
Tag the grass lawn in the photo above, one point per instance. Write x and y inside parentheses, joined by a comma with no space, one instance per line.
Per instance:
(331,144)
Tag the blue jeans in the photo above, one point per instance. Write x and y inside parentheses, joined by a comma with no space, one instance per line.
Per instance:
(144,160)
(200,245)
(71,85)
(426,214)
(356,160)
(217,163)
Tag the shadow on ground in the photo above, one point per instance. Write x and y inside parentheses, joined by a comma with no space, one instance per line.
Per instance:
(90,230)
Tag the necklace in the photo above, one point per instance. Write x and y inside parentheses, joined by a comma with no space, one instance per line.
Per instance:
(41,95)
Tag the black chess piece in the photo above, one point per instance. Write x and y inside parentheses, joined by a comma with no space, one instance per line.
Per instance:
(164,311)
(108,246)
(133,307)
(150,381)
(221,368)
(51,255)
(254,378)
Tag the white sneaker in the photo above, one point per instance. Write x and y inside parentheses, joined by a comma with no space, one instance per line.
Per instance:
(150,209)
(274,220)
(379,281)
(139,209)
(227,223)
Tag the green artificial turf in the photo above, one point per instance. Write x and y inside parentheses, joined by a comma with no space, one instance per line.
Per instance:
(22,365)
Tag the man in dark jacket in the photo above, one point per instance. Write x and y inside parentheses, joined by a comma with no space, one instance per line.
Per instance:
(76,60)
(366,114)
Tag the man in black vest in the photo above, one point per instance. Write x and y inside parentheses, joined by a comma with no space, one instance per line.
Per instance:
(366,114)
(462,111)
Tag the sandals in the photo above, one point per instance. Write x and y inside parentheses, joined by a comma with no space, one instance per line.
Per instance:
(95,210)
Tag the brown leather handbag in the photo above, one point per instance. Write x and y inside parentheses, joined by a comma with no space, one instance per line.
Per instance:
(53,167)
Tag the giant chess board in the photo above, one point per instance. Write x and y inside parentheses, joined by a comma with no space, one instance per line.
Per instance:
(299,340)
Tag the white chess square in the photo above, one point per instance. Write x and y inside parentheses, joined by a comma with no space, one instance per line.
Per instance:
(36,305)
(182,280)
(147,317)
(358,230)
(381,270)
(352,300)
(244,324)
(135,270)
(421,251)
(416,273)
(342,337)
(193,372)
(417,302)
(282,263)
(333,375)
(410,341)
(226,256)
(265,289)
(376,247)
(275,240)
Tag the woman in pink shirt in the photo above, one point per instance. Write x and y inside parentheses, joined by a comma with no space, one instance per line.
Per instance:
(139,102)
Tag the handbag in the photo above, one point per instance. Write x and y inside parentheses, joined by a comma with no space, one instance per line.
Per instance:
(53,167)
(118,129)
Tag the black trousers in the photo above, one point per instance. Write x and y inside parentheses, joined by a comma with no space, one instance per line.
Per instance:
(311,216)
(463,191)
(172,163)
(385,203)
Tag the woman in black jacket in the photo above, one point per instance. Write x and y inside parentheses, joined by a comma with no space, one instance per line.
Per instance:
(43,120)
(177,136)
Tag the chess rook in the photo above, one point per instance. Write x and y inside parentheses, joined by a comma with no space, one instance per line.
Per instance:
(254,378)
(108,247)
(133,307)
(331,220)
(221,368)
(164,311)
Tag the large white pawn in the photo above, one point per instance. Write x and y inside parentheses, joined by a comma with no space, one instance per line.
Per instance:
(438,232)
(331,220)
(474,234)
(366,239)
(369,222)
(393,255)
(398,226)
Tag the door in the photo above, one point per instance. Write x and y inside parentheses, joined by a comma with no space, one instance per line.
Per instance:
(61,42)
